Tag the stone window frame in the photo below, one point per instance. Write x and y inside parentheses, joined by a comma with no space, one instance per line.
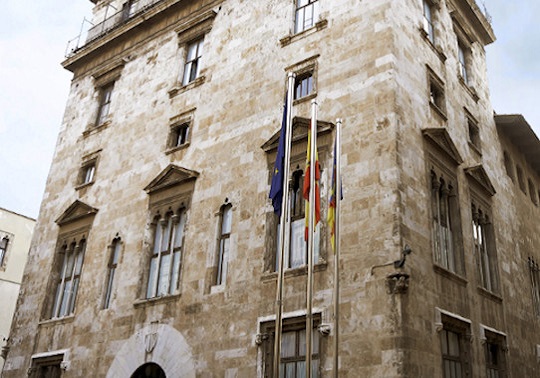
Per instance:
(176,123)
(58,359)
(194,29)
(298,156)
(534,276)
(293,323)
(89,164)
(105,77)
(448,323)
(436,93)
(495,347)
(473,132)
(521,179)
(114,256)
(223,252)
(6,241)
(532,191)
(509,166)
(302,69)
(169,196)
(295,35)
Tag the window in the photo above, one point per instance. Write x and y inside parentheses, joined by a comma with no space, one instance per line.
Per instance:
(436,93)
(193,61)
(307,15)
(474,133)
(455,347)
(532,192)
(169,194)
(445,223)
(534,273)
(303,85)
(463,62)
(484,248)
(224,243)
(293,347)
(178,135)
(164,273)
(4,242)
(521,179)
(46,367)
(114,256)
(104,103)
(428,21)
(296,256)
(495,359)
(508,165)
(67,284)
(87,172)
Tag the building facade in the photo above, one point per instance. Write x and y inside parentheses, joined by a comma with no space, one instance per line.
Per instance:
(15,236)
(155,248)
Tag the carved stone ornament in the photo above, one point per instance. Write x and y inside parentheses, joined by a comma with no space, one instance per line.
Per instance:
(397,283)
(260,338)
(324,329)
(64,365)
(150,341)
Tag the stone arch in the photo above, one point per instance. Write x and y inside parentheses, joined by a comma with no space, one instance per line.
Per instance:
(156,343)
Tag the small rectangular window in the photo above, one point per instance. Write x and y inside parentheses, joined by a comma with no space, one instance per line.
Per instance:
(111,271)
(307,14)
(455,348)
(104,103)
(474,133)
(192,67)
(463,57)
(521,179)
(303,85)
(428,21)
(224,244)
(179,135)
(4,242)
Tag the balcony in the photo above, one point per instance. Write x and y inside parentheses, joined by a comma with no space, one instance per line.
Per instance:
(112,19)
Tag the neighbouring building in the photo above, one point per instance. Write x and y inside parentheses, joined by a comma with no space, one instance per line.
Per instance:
(15,236)
(155,248)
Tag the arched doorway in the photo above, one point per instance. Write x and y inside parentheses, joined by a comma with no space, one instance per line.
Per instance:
(149,370)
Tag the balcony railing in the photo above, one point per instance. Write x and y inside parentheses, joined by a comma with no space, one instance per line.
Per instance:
(111,20)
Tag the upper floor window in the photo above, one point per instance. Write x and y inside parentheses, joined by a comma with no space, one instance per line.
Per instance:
(495,357)
(532,192)
(164,270)
(192,66)
(508,165)
(534,275)
(428,21)
(169,194)
(4,242)
(463,62)
(114,256)
(104,103)
(224,243)
(67,284)
(446,226)
(437,98)
(307,14)
(474,132)
(455,336)
(521,179)
(303,85)
(484,248)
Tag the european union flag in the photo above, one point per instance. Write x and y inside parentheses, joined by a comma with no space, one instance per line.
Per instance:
(276,189)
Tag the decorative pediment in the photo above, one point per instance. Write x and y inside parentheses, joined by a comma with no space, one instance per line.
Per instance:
(442,140)
(479,175)
(76,211)
(300,130)
(171,176)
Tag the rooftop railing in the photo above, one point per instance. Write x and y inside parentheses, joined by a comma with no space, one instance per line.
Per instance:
(112,19)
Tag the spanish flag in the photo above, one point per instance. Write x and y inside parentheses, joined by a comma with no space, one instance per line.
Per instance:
(307,186)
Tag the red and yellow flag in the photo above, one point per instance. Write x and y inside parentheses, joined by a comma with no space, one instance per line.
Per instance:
(307,186)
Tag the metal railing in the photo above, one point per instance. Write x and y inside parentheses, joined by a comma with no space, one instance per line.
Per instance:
(111,19)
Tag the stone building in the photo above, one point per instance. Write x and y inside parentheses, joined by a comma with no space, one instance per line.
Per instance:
(15,236)
(154,252)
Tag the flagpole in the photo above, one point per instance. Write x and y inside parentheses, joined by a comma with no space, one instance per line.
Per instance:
(312,206)
(284,227)
(337,195)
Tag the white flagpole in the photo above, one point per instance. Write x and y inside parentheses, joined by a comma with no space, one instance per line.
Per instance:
(311,224)
(337,195)
(284,233)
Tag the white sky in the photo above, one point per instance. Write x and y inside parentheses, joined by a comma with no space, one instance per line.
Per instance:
(34,86)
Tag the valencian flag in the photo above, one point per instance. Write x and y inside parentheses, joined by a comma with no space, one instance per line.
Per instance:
(276,189)
(307,184)
(332,202)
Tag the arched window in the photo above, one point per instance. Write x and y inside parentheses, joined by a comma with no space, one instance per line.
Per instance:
(114,256)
